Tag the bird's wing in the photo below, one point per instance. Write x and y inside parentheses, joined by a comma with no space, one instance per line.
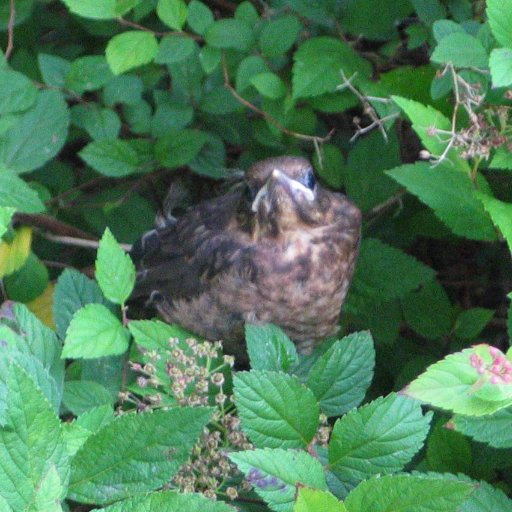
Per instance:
(183,258)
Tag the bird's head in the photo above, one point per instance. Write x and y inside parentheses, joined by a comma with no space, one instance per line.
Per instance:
(287,196)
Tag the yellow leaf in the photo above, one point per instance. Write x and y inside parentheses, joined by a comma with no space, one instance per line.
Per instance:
(13,255)
(42,306)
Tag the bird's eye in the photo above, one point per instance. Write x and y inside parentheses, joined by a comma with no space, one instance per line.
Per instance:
(309,180)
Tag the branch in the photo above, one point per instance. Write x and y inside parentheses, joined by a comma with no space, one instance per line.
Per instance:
(50,224)
(10,30)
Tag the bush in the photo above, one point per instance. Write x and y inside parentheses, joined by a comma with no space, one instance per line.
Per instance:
(406,106)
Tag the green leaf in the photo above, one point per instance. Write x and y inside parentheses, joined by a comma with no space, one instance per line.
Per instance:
(125,89)
(31,444)
(462,50)
(200,17)
(14,192)
(313,500)
(249,67)
(426,121)
(175,49)
(378,438)
(94,9)
(501,215)
(269,348)
(50,492)
(452,196)
(73,291)
(29,282)
(276,474)
(153,335)
(416,493)
(179,147)
(115,271)
(470,323)
(466,382)
(269,85)
(275,409)
(172,12)
(169,501)
(499,13)
(81,396)
(429,11)
(130,49)
(384,272)
(443,28)
(6,213)
(134,454)
(113,157)
(95,332)
(486,498)
(88,73)
(229,33)
(502,159)
(99,123)
(318,63)
(340,377)
(500,63)
(428,311)
(16,92)
(37,135)
(278,35)
(493,429)
(53,69)
(448,451)
(210,58)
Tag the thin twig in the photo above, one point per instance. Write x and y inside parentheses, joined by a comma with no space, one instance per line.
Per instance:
(10,30)
(266,115)
(80,242)
(52,225)
(174,33)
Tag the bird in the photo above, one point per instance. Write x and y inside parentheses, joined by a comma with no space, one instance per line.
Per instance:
(277,247)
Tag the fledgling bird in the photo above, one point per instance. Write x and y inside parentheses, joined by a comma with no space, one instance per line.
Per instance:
(277,248)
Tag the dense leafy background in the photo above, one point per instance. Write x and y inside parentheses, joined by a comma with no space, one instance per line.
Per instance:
(406,106)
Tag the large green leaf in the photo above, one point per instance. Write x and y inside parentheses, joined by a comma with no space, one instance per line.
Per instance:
(499,13)
(16,92)
(275,409)
(37,135)
(16,193)
(135,453)
(130,49)
(452,196)
(462,50)
(94,9)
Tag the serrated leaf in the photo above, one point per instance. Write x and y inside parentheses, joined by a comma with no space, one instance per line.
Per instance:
(130,49)
(340,377)
(115,271)
(426,120)
(500,63)
(88,73)
(470,323)
(95,332)
(452,196)
(313,500)
(416,493)
(172,12)
(169,501)
(493,429)
(275,409)
(179,147)
(200,17)
(318,63)
(99,123)
(50,492)
(31,444)
(81,396)
(113,157)
(462,50)
(93,9)
(229,33)
(278,35)
(378,438)
(16,193)
(73,291)
(385,273)
(466,382)
(499,13)
(269,348)
(276,474)
(37,135)
(486,498)
(501,215)
(135,453)
(17,92)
